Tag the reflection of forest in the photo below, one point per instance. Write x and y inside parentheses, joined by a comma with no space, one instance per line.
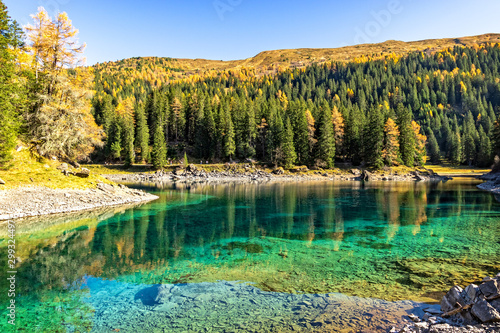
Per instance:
(200,218)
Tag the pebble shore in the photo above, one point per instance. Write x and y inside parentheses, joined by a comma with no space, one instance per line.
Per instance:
(37,201)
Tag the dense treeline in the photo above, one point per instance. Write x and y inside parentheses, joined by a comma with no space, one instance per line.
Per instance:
(386,110)
(377,112)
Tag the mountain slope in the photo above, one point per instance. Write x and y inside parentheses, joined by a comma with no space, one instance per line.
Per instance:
(137,76)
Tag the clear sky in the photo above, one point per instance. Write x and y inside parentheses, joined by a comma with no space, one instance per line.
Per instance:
(237,29)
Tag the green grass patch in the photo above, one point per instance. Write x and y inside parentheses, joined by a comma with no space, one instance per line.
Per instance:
(28,170)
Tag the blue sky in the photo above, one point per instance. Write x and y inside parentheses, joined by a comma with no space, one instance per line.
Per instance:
(237,29)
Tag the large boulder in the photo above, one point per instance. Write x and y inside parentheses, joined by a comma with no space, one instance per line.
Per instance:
(453,299)
(496,304)
(470,293)
(485,312)
(490,288)
(164,293)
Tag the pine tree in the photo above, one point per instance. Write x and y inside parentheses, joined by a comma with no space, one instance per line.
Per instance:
(287,147)
(406,136)
(141,131)
(159,152)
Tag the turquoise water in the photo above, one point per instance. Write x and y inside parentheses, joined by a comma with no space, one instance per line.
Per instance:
(307,256)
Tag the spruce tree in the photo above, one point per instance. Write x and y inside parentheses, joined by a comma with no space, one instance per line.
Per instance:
(406,136)
(159,152)
(433,149)
(9,89)
(141,131)
(301,141)
(128,142)
(496,137)
(287,147)
(229,144)
(325,147)
(374,139)
(484,157)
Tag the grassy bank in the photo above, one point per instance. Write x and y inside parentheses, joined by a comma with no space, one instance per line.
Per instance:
(28,170)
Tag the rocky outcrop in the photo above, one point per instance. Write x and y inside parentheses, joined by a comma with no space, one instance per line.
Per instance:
(250,173)
(473,309)
(492,183)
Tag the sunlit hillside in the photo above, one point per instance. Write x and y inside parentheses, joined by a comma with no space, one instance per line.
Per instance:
(137,76)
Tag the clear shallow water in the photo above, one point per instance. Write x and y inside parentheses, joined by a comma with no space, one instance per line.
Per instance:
(389,241)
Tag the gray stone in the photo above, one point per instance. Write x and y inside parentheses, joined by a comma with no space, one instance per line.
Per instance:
(367,176)
(63,166)
(178,171)
(450,300)
(106,187)
(191,168)
(470,293)
(489,288)
(355,172)
(496,304)
(278,171)
(164,293)
(83,173)
(485,312)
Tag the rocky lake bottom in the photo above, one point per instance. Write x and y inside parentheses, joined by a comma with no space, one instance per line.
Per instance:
(306,257)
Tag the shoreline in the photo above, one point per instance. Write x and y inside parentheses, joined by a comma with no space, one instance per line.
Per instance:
(37,201)
(491,184)
(194,174)
(32,201)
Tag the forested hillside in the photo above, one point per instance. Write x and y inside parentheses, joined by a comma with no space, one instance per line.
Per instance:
(376,105)
(388,111)
(138,76)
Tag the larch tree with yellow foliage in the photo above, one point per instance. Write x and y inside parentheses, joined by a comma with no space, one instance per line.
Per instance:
(338,130)
(420,141)
(390,152)
(60,122)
